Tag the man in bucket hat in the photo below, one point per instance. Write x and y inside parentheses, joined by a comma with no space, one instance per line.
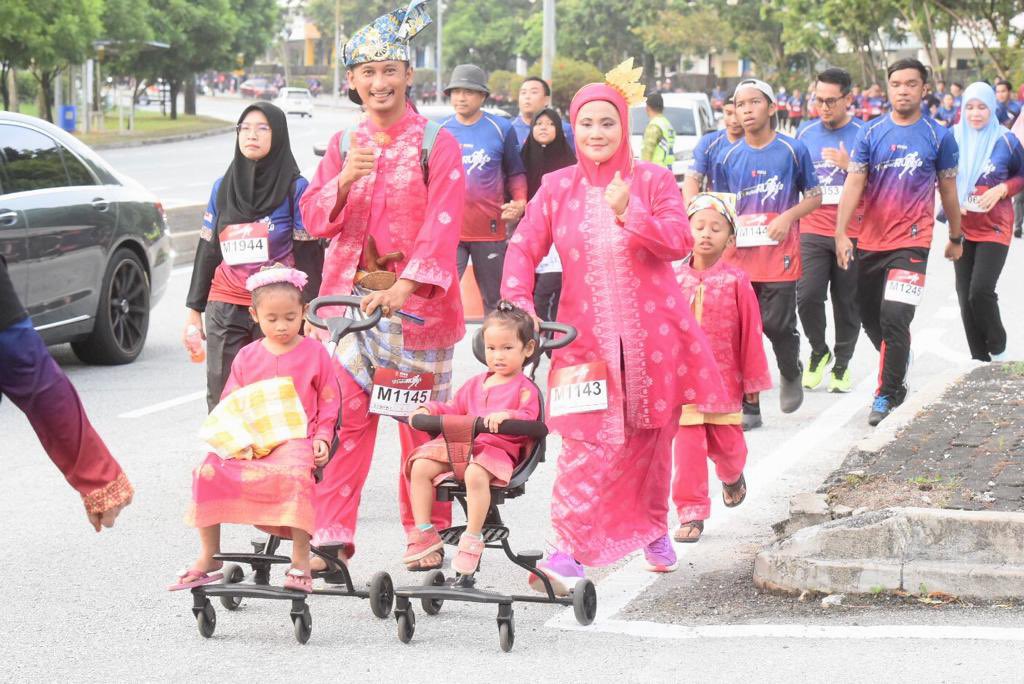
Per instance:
(389,194)
(494,172)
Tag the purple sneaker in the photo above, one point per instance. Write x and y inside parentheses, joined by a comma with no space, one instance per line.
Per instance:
(562,570)
(661,555)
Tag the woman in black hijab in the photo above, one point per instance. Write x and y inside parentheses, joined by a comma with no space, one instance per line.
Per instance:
(546,150)
(252,220)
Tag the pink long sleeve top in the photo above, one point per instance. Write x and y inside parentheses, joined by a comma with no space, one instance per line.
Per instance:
(402,214)
(724,303)
(308,365)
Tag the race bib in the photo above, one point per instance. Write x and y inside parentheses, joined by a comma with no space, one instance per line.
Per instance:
(245,243)
(973,204)
(579,389)
(399,393)
(904,286)
(830,194)
(752,230)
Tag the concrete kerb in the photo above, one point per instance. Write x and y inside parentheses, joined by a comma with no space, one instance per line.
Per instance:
(181,137)
(964,553)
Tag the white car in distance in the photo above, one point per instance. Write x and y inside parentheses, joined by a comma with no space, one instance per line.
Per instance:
(295,101)
(691,117)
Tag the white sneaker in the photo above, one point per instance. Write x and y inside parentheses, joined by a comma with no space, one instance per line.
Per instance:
(1002,357)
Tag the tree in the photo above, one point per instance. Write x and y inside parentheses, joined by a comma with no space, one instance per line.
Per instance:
(673,33)
(568,76)
(47,36)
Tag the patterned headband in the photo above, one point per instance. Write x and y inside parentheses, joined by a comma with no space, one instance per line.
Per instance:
(276,274)
(724,204)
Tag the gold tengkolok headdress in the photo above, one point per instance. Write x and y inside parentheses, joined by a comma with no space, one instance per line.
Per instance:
(626,79)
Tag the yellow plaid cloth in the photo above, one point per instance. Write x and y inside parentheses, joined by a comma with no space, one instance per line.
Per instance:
(252,420)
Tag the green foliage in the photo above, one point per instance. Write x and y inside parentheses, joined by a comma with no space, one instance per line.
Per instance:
(568,76)
(28,86)
(504,85)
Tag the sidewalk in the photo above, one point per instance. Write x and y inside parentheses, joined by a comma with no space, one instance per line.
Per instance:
(964,452)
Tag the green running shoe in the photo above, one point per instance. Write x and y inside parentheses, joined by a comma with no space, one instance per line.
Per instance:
(815,372)
(840,381)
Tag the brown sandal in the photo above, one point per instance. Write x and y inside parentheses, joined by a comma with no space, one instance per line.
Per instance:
(732,490)
(682,535)
(423,564)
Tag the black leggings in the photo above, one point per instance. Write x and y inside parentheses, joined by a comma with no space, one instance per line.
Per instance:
(977,273)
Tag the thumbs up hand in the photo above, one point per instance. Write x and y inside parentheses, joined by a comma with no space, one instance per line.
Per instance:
(617,195)
(840,157)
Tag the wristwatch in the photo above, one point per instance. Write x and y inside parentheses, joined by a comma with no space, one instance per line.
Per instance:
(957,240)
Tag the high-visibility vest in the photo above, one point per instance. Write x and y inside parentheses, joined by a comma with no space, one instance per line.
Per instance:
(664,153)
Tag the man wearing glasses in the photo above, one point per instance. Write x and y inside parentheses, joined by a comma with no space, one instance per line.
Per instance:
(829,139)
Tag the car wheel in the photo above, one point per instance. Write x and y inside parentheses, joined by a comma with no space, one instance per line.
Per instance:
(122,319)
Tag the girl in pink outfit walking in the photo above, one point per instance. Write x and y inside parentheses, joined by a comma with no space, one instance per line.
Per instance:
(723,302)
(617,225)
(503,392)
(274,492)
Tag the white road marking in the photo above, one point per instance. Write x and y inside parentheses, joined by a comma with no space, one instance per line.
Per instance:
(181,270)
(164,405)
(657,630)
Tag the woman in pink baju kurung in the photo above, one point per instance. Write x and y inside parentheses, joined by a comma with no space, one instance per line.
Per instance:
(612,486)
(275,492)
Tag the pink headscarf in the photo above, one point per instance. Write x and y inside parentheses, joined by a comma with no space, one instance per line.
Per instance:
(600,175)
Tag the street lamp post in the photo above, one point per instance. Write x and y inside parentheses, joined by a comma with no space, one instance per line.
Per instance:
(440,58)
(337,48)
(548,43)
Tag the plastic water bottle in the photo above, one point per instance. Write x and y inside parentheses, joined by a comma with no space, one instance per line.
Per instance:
(194,342)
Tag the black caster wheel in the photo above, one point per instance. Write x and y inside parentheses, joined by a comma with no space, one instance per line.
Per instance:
(382,595)
(434,578)
(507,634)
(233,574)
(302,625)
(584,602)
(406,625)
(206,620)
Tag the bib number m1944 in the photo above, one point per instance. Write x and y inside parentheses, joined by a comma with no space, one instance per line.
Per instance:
(579,389)
(399,393)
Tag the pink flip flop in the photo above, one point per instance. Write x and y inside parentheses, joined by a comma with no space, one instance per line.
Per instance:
(297,580)
(193,577)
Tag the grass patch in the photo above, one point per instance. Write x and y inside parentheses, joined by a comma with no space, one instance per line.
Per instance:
(149,125)
(1015,368)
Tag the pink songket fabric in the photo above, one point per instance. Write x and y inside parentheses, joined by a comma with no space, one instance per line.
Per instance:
(619,291)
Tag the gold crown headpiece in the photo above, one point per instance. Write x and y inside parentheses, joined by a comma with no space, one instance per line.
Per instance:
(625,79)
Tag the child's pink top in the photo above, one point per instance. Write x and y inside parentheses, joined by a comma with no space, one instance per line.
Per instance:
(518,396)
(725,305)
(308,365)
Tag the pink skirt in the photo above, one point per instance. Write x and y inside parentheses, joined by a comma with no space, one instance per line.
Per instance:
(274,493)
(495,461)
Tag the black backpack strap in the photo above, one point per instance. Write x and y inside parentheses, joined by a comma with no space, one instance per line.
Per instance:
(429,138)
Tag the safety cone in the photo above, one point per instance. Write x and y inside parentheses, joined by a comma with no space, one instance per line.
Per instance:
(472,302)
